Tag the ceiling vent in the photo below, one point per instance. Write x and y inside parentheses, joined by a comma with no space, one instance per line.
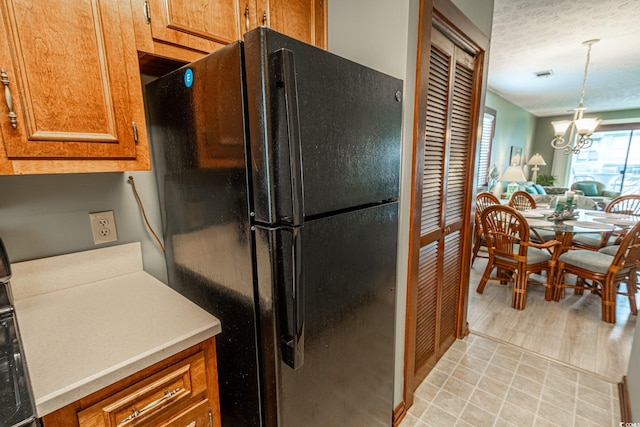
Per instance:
(545,73)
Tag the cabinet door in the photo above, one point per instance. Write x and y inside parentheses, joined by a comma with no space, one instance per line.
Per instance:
(201,25)
(199,415)
(156,398)
(73,81)
(304,20)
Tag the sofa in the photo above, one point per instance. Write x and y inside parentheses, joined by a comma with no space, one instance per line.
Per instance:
(549,196)
(595,191)
(581,202)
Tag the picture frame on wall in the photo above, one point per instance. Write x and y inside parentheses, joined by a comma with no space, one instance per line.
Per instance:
(516,156)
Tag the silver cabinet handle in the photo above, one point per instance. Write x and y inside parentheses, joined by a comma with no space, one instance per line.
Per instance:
(246,16)
(135,413)
(7,96)
(147,12)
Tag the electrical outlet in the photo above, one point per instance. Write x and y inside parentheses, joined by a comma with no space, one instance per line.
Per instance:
(103,227)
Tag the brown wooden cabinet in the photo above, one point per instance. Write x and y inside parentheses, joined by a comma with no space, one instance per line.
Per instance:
(179,391)
(305,20)
(72,84)
(184,30)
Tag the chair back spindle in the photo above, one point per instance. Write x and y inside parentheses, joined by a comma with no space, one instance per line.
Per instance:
(522,201)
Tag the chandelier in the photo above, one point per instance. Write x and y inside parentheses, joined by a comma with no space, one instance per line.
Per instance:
(580,128)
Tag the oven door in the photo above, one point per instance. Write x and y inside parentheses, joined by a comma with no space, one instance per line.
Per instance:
(16,402)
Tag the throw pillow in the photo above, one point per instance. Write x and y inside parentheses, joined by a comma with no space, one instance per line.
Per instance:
(530,189)
(540,189)
(588,188)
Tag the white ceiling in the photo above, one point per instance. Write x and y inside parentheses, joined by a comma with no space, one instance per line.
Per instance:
(535,35)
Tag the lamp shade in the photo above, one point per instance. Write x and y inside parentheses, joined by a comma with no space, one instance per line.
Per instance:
(586,125)
(537,160)
(560,127)
(513,174)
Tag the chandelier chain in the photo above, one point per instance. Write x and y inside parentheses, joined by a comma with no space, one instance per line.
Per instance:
(586,71)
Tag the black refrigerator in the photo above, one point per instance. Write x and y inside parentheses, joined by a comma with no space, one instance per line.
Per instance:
(278,168)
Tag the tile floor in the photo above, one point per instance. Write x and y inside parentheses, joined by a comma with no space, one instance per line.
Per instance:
(484,382)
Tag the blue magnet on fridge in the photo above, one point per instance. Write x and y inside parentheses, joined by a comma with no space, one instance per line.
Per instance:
(188,77)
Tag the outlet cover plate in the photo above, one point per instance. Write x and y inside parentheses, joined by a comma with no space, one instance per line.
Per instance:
(103,227)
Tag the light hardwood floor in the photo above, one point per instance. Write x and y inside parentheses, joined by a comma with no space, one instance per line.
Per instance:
(570,331)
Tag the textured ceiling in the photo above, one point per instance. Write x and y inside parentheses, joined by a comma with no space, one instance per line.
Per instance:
(536,35)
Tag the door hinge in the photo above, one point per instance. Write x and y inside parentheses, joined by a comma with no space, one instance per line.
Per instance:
(210,418)
(147,12)
(135,132)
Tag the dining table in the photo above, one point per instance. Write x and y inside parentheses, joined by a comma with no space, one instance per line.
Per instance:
(585,221)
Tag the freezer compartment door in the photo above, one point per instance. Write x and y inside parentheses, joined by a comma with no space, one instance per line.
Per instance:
(349,278)
(344,119)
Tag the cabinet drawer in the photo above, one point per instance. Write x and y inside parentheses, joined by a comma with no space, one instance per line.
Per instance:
(200,415)
(153,399)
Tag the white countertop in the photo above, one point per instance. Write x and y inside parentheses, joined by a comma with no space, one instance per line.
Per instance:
(90,319)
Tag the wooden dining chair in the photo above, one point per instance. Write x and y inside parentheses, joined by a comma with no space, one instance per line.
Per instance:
(628,204)
(522,201)
(603,273)
(483,200)
(514,256)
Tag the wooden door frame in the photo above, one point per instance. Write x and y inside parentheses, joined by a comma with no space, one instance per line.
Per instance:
(448,13)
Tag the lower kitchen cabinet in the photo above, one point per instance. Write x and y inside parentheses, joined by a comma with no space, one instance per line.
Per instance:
(181,390)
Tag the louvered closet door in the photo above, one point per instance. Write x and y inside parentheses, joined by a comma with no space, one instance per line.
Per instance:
(445,195)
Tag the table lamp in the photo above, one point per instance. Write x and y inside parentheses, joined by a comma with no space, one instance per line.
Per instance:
(536,160)
(513,174)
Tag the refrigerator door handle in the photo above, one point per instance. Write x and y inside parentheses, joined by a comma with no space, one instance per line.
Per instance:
(292,311)
(285,73)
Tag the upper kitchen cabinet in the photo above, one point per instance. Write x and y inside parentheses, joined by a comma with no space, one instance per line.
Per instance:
(305,20)
(186,30)
(72,87)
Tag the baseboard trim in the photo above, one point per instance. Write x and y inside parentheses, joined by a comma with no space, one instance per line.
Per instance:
(398,414)
(625,405)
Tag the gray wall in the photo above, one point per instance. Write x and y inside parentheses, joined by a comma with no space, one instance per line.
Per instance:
(47,215)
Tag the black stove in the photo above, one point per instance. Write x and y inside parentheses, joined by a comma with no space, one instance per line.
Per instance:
(16,400)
